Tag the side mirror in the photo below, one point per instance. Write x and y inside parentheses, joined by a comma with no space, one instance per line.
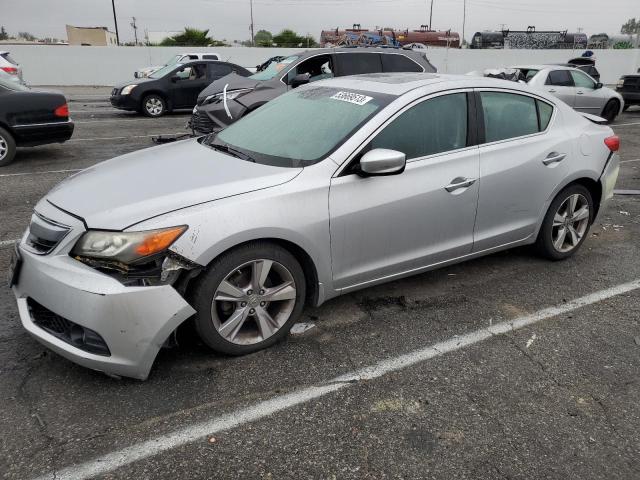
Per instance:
(381,162)
(175,78)
(299,79)
(598,85)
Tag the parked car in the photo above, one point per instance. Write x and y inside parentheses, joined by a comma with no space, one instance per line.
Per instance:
(172,87)
(178,59)
(576,88)
(330,188)
(9,65)
(629,87)
(29,118)
(215,110)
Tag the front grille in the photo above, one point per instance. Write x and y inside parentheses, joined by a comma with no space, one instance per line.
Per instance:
(45,234)
(201,123)
(67,331)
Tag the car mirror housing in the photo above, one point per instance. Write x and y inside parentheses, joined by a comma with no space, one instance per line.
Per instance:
(381,162)
(598,85)
(175,78)
(300,79)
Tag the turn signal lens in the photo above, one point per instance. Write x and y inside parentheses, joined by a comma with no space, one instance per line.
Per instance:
(612,143)
(158,241)
(62,111)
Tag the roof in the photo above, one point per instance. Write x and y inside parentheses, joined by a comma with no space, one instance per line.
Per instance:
(547,66)
(400,83)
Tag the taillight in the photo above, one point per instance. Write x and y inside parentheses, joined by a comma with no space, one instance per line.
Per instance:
(10,70)
(612,143)
(62,111)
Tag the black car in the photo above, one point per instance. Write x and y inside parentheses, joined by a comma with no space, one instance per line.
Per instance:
(219,106)
(172,87)
(29,118)
(629,87)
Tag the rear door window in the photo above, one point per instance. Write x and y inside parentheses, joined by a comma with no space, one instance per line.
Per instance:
(392,62)
(559,78)
(218,70)
(434,126)
(545,111)
(358,63)
(508,115)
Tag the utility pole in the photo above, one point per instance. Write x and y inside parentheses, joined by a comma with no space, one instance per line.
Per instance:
(431,16)
(115,20)
(464,19)
(135,29)
(253,43)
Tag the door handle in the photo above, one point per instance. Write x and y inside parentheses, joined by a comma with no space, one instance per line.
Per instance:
(458,183)
(554,157)
(552,90)
(579,93)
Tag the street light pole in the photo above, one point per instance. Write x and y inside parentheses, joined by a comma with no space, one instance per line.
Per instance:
(113,5)
(253,42)
(431,16)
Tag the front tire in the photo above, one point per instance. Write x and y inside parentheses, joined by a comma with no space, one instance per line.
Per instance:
(566,224)
(153,105)
(7,148)
(249,298)
(610,111)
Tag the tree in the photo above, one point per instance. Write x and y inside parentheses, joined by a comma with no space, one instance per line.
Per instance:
(27,36)
(289,38)
(631,27)
(3,34)
(191,37)
(263,38)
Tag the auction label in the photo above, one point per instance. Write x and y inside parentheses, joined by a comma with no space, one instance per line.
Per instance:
(351,97)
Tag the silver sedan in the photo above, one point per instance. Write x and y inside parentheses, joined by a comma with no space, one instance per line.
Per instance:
(330,188)
(575,88)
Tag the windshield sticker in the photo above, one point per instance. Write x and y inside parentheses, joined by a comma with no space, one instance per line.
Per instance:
(351,97)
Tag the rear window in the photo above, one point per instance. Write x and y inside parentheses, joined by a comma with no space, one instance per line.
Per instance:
(358,63)
(399,63)
(560,78)
(210,57)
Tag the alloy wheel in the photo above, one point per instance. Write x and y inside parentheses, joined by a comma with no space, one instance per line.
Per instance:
(154,106)
(4,148)
(570,223)
(253,302)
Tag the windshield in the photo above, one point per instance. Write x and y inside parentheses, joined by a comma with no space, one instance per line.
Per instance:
(301,127)
(273,69)
(163,71)
(173,60)
(11,82)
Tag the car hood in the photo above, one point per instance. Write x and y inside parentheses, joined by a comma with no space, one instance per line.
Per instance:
(135,81)
(131,188)
(234,81)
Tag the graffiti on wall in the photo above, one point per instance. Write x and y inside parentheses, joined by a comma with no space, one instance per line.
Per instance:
(533,39)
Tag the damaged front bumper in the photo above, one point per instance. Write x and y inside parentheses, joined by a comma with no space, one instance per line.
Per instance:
(213,117)
(90,317)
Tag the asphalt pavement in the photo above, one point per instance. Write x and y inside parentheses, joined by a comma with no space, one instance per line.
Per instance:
(488,369)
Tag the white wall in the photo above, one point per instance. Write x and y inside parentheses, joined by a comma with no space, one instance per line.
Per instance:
(69,65)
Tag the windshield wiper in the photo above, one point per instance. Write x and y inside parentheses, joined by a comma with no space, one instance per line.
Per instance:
(232,151)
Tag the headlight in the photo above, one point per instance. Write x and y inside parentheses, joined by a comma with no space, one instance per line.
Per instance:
(232,94)
(621,82)
(126,247)
(127,90)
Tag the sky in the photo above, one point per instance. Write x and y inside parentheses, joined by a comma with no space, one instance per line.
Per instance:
(230,19)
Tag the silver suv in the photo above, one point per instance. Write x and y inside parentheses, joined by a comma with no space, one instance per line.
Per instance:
(10,66)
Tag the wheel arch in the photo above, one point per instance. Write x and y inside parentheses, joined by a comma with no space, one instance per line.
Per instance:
(159,93)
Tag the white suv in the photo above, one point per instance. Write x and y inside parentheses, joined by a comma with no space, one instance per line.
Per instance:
(9,65)
(176,60)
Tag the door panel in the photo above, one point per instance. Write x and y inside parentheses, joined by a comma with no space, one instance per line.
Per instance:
(588,99)
(381,226)
(560,84)
(184,92)
(518,175)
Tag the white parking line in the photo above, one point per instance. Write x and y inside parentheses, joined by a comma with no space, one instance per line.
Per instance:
(21,174)
(184,436)
(123,137)
(8,243)
(623,124)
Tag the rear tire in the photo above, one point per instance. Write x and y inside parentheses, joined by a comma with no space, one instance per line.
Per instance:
(610,111)
(566,224)
(248,298)
(7,148)
(153,106)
